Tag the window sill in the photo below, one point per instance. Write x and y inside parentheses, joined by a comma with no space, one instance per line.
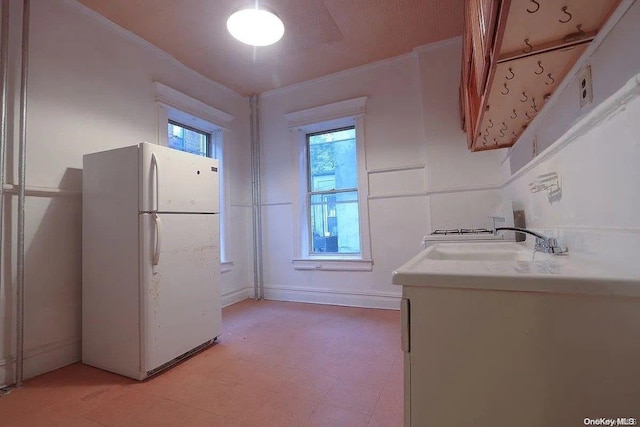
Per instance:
(332,264)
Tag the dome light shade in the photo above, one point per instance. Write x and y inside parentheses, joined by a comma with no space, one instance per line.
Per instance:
(255,27)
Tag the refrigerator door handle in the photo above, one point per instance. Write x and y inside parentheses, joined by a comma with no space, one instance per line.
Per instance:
(154,165)
(158,243)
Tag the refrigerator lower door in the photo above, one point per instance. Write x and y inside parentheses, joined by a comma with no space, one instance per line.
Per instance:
(180,285)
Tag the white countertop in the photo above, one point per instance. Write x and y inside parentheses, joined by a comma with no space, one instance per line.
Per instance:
(547,273)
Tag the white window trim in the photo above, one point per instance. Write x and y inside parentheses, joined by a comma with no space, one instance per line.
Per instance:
(326,117)
(181,108)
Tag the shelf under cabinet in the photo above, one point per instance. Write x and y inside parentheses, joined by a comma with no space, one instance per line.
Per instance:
(518,91)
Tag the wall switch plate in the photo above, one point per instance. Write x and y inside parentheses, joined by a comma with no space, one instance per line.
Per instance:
(584,86)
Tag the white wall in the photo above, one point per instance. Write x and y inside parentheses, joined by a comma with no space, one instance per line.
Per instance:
(91,89)
(596,152)
(464,186)
(421,176)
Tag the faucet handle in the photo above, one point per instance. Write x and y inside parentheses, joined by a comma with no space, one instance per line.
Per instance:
(555,248)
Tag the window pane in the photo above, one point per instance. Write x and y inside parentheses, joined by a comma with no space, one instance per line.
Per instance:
(189,140)
(334,223)
(332,160)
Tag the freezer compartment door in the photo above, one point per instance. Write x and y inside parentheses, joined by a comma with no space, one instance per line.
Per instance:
(180,284)
(174,181)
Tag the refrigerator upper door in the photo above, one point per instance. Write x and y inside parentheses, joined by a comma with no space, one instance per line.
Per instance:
(175,181)
(180,284)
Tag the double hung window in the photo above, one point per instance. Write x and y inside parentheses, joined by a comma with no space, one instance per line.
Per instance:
(332,196)
(331,208)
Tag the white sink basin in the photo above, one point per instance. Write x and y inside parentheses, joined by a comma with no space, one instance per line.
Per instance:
(481,252)
(515,267)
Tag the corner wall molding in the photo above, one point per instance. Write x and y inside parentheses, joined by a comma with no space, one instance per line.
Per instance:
(35,191)
(396,169)
(42,358)
(398,195)
(451,190)
(230,298)
(383,300)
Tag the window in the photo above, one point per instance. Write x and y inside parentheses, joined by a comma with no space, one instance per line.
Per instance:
(333,192)
(187,124)
(331,217)
(191,140)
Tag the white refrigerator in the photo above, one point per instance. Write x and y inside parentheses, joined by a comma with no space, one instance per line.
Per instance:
(151,258)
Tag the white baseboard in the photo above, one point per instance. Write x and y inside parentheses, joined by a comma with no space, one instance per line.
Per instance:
(233,297)
(42,359)
(333,297)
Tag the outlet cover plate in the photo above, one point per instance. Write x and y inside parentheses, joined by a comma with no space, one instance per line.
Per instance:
(584,86)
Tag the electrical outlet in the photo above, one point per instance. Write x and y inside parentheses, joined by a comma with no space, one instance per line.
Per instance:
(584,86)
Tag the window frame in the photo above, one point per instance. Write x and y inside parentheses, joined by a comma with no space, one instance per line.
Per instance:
(189,112)
(209,149)
(349,113)
(311,193)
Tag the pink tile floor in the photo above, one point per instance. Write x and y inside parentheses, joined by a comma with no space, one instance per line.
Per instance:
(276,364)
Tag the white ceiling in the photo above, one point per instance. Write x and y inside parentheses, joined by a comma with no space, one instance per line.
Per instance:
(321,36)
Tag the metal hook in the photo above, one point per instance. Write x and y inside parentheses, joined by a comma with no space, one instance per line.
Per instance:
(504,126)
(486,133)
(541,68)
(495,141)
(515,115)
(550,78)
(526,98)
(506,88)
(535,107)
(490,124)
(501,133)
(564,10)
(529,48)
(514,134)
(579,28)
(537,7)
(512,75)
(484,141)
(527,115)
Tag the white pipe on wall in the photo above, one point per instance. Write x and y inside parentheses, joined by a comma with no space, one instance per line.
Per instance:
(22,168)
(258,285)
(4,71)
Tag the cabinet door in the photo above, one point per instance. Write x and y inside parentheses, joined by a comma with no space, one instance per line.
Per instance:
(482,19)
(537,25)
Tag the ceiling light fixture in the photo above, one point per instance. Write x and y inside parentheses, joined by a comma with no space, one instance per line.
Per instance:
(255,27)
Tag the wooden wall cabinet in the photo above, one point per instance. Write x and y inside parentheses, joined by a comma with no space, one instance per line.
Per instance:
(515,53)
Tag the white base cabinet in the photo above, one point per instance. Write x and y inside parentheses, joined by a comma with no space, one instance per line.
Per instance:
(495,358)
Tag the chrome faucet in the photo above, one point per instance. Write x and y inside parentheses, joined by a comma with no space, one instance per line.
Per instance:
(544,244)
